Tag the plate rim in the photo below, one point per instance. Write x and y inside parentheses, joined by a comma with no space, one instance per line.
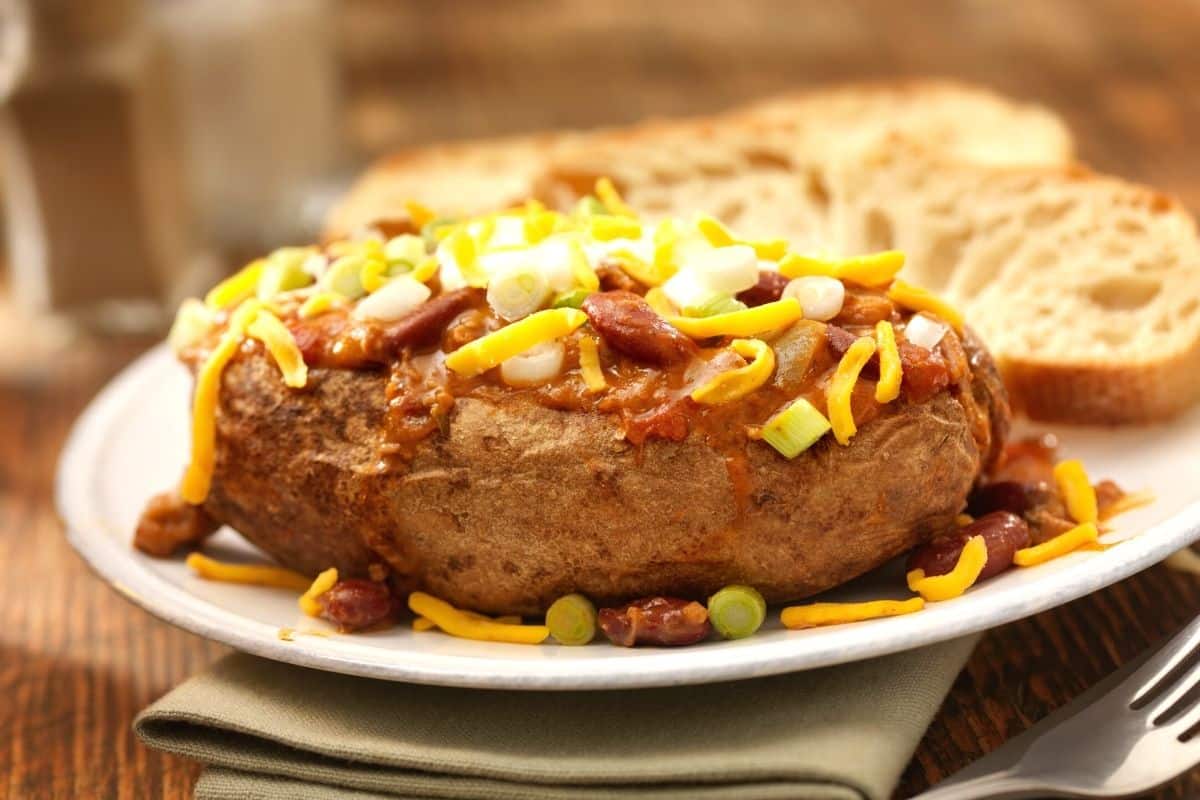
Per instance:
(119,565)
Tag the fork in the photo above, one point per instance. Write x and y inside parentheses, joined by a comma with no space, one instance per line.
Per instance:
(1133,731)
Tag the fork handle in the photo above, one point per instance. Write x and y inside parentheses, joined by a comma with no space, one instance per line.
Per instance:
(996,786)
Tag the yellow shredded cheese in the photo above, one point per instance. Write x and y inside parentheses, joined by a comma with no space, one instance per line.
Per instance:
(581,269)
(817,614)
(841,388)
(319,303)
(373,274)
(280,343)
(488,351)
(421,624)
(466,256)
(915,298)
(971,562)
(610,198)
(240,286)
(749,322)
(963,519)
(737,383)
(716,233)
(538,225)
(197,478)
(770,249)
(589,364)
(1079,536)
(656,298)
(466,626)
(890,370)
(605,228)
(320,585)
(254,574)
(871,270)
(419,214)
(1076,489)
(641,271)
(425,270)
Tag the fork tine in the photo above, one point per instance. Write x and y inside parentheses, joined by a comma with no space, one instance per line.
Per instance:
(1186,719)
(1156,675)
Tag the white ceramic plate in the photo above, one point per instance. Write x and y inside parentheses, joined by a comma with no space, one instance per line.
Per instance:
(132,442)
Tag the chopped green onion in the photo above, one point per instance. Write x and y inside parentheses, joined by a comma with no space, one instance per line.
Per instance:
(404,249)
(795,429)
(429,230)
(572,620)
(517,291)
(715,304)
(344,276)
(737,611)
(572,299)
(283,272)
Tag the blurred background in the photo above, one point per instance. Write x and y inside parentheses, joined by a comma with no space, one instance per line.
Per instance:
(148,145)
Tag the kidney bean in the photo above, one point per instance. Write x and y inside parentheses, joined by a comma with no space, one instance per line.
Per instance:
(169,523)
(424,326)
(1011,496)
(613,278)
(925,372)
(354,604)
(769,288)
(1002,532)
(630,325)
(860,308)
(667,621)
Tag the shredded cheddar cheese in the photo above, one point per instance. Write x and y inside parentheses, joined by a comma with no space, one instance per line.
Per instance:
(466,255)
(871,270)
(589,364)
(240,286)
(817,614)
(373,274)
(465,626)
(769,249)
(605,229)
(936,588)
(254,574)
(425,270)
(890,371)
(321,584)
(197,478)
(749,322)
(488,351)
(419,214)
(737,383)
(319,303)
(539,224)
(280,343)
(581,270)
(422,624)
(915,298)
(963,519)
(656,298)
(610,198)
(642,271)
(841,388)
(1076,489)
(716,233)
(1079,536)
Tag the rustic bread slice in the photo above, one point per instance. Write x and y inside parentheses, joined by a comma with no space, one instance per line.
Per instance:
(1086,288)
(469,177)
(738,165)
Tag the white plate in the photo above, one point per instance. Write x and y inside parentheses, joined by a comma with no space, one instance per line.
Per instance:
(132,442)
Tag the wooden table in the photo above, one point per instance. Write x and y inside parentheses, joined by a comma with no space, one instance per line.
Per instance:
(77,662)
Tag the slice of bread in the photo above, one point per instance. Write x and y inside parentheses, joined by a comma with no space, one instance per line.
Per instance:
(1086,288)
(739,165)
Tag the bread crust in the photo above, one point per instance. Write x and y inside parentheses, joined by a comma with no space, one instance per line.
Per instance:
(519,504)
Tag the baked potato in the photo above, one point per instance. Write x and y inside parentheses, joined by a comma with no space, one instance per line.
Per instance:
(500,494)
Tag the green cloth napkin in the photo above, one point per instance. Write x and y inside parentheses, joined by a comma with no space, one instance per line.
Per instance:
(267,729)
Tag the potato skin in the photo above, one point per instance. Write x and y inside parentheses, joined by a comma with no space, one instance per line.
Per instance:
(520,504)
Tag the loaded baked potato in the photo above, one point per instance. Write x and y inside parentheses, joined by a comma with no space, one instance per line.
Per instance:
(506,410)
